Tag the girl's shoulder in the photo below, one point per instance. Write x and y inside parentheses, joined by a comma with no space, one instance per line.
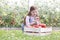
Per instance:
(27,16)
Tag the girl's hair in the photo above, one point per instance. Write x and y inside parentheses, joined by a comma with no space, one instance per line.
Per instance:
(31,9)
(29,13)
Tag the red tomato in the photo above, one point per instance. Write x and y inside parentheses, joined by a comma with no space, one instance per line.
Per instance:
(36,26)
(42,25)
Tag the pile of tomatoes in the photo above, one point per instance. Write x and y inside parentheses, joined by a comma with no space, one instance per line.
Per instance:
(40,25)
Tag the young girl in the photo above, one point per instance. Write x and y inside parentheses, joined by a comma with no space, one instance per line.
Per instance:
(32,18)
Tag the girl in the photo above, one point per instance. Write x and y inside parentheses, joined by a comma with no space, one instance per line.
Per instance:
(32,18)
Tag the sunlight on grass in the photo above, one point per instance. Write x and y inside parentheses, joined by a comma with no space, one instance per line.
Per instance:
(18,35)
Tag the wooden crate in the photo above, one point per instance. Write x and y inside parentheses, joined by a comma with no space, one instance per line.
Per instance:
(37,31)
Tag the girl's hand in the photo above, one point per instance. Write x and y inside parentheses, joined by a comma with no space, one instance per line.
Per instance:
(33,23)
(37,19)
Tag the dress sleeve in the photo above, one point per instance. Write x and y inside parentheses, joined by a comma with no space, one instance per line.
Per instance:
(27,21)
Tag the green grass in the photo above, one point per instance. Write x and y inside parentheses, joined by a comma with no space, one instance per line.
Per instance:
(18,35)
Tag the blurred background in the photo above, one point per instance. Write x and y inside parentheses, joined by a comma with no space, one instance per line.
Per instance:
(12,12)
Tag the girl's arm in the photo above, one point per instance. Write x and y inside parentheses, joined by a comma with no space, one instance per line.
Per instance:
(33,23)
(27,21)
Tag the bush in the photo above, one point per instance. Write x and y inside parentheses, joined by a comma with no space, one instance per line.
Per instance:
(14,15)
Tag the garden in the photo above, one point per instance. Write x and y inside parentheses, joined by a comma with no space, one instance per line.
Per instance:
(13,12)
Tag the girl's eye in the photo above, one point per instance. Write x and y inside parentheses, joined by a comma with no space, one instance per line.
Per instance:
(33,12)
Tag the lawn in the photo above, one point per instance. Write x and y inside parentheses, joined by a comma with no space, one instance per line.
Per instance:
(18,35)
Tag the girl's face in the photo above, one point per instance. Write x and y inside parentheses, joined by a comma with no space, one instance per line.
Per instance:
(34,13)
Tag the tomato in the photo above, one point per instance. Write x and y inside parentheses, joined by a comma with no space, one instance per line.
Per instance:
(42,25)
(36,26)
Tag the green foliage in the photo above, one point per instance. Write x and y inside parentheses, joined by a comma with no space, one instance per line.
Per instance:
(49,12)
(13,14)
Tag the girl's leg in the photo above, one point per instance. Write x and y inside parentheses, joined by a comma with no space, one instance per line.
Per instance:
(22,27)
